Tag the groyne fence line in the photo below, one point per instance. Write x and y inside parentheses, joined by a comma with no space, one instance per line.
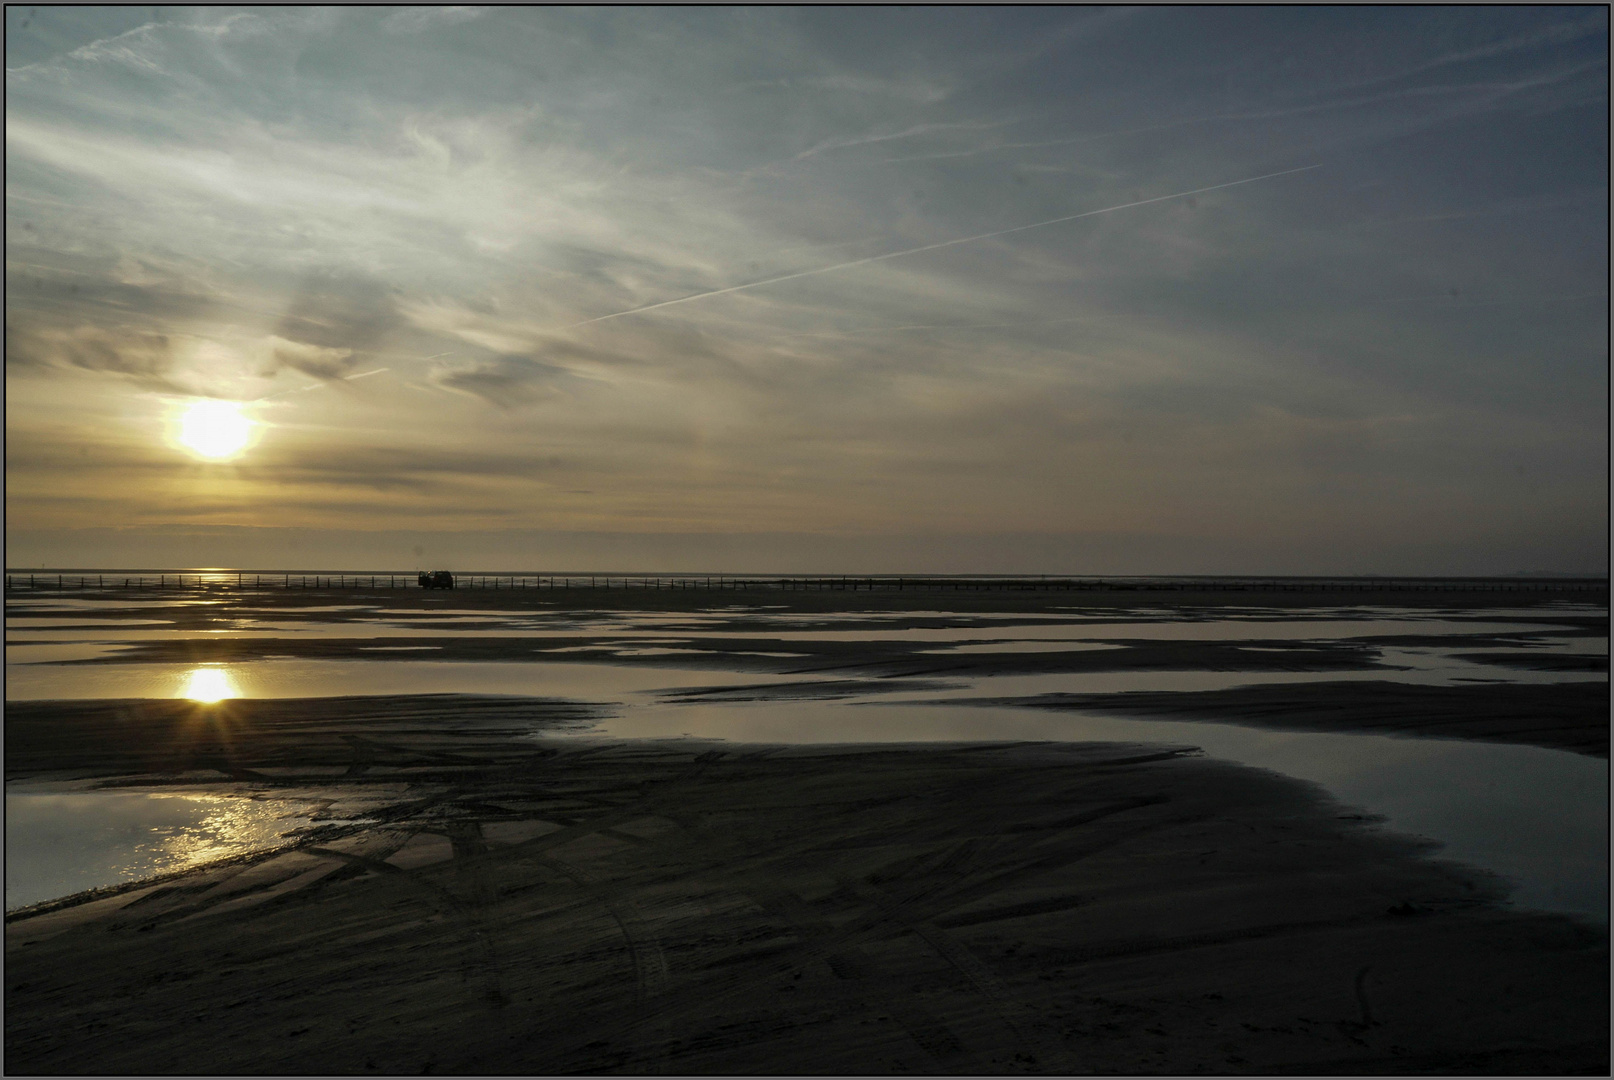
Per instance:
(209,581)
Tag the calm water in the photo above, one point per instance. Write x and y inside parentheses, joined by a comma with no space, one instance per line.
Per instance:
(1538,817)
(62,839)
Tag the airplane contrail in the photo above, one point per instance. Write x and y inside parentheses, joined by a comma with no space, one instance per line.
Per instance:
(933,247)
(323,385)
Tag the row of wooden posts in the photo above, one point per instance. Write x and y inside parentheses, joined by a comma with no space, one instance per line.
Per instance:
(244,581)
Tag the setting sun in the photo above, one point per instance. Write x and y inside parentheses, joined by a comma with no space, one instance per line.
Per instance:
(214,429)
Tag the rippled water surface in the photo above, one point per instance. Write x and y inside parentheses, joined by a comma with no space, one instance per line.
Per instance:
(62,839)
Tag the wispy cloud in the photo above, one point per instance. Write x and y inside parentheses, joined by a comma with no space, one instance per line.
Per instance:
(907,133)
(505,382)
(418,20)
(1554,32)
(881,303)
(940,244)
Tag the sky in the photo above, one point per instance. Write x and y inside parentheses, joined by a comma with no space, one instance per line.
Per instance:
(810,290)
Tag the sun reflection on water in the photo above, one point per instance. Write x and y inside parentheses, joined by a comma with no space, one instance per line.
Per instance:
(226,826)
(61,841)
(209,685)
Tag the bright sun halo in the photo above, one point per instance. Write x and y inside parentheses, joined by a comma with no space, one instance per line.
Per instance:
(208,686)
(215,429)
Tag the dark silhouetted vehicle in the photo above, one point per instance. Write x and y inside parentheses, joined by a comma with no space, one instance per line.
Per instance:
(442,579)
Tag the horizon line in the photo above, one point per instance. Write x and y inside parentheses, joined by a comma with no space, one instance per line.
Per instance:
(787,575)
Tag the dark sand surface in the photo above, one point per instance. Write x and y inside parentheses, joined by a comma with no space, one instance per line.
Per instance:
(479,899)
(156,739)
(1559,716)
(568,905)
(1539,661)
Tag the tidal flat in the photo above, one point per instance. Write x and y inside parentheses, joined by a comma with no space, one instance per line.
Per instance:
(763,832)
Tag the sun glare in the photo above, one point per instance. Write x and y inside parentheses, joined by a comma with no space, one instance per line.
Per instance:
(208,685)
(215,430)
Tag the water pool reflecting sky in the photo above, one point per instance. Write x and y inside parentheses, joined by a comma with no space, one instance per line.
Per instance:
(1536,816)
(61,839)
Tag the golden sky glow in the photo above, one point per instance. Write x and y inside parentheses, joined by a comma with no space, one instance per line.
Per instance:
(215,430)
(829,288)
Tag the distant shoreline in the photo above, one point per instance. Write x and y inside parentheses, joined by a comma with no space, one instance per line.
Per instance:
(1177,590)
(771,576)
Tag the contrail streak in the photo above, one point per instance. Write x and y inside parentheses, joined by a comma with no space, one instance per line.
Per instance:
(933,247)
(323,385)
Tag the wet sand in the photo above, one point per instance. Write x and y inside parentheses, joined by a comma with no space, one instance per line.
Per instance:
(874,658)
(880,659)
(565,905)
(488,893)
(1558,716)
(148,740)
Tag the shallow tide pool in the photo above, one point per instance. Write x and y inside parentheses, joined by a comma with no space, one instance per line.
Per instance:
(1537,817)
(63,839)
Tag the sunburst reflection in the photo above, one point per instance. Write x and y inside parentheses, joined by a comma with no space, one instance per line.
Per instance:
(209,685)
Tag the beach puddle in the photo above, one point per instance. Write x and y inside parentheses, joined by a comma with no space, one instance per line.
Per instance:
(283,678)
(1535,816)
(63,839)
(658,669)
